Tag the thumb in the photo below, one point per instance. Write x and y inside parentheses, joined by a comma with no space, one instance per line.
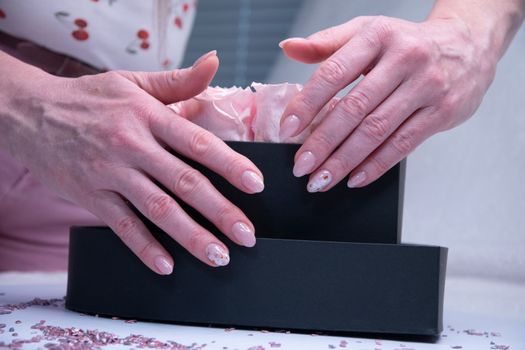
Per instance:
(321,45)
(180,84)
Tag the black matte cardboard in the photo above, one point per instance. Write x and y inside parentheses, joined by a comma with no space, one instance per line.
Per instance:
(285,209)
(285,284)
(323,262)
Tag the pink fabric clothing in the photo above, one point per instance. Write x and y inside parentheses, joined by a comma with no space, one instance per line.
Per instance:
(34,222)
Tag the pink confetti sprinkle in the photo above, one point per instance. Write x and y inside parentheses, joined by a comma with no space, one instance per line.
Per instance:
(258,347)
(473,332)
(79,339)
(131,321)
(500,347)
(229,329)
(274,344)
(495,334)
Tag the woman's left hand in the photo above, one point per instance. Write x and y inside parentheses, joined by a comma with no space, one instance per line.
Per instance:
(419,79)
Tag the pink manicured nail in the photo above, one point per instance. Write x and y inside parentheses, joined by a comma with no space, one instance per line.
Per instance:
(319,181)
(305,164)
(163,265)
(284,42)
(357,179)
(289,127)
(204,58)
(217,254)
(244,234)
(252,181)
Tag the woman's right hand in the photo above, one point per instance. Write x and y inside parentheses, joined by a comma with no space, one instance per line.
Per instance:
(103,140)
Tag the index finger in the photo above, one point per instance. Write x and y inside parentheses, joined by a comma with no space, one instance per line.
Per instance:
(333,75)
(202,146)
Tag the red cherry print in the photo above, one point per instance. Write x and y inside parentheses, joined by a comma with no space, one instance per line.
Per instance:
(142,34)
(2,14)
(81,23)
(185,7)
(166,63)
(80,34)
(178,22)
(144,45)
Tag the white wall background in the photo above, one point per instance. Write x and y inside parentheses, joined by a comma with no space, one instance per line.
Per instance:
(465,189)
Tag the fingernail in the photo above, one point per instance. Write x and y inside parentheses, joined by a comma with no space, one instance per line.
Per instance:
(289,127)
(244,234)
(163,265)
(252,181)
(204,58)
(284,42)
(217,254)
(305,164)
(357,179)
(319,181)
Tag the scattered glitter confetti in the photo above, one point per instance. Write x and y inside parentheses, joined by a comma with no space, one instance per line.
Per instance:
(77,338)
(274,344)
(473,332)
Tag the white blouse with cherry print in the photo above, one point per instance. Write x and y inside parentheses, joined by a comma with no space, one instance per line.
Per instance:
(107,34)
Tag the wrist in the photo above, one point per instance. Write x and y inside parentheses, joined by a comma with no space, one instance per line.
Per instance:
(490,24)
(22,88)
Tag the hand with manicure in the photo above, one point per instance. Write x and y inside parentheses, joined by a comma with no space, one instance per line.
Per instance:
(419,79)
(105,141)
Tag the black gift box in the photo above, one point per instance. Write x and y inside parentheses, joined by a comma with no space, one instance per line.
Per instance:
(323,262)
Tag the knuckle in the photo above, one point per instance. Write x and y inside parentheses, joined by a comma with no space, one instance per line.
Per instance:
(323,142)
(383,28)
(121,139)
(403,142)
(332,72)
(224,214)
(356,103)
(200,143)
(342,162)
(375,127)
(144,250)
(142,111)
(158,206)
(127,228)
(417,52)
(305,103)
(380,167)
(235,166)
(196,239)
(187,182)
(436,79)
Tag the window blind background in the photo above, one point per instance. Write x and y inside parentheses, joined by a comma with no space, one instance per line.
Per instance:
(245,34)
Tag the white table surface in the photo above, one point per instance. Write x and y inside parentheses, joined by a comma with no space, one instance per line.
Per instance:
(479,315)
